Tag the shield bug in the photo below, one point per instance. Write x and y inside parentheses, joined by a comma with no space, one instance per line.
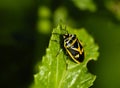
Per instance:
(73,47)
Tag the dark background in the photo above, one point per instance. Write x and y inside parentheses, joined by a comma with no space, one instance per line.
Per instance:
(25,27)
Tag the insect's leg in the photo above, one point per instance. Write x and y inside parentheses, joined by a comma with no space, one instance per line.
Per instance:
(66,58)
(55,33)
(56,41)
(58,52)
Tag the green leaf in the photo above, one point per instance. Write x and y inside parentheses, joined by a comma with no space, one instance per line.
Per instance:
(85,5)
(113,6)
(57,70)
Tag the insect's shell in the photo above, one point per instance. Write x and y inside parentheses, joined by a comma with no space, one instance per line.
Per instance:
(73,47)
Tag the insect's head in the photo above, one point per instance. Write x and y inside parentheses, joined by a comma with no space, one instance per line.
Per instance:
(65,36)
(72,36)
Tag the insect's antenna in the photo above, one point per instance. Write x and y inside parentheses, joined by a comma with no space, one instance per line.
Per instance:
(56,33)
(64,29)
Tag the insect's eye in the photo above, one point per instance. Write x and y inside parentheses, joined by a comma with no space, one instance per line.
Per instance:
(65,36)
(70,35)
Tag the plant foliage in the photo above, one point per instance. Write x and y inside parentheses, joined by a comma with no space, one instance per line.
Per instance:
(57,70)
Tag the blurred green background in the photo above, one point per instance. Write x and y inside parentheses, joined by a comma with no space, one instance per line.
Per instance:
(26,25)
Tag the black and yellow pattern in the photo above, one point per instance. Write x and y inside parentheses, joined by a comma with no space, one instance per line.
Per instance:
(73,47)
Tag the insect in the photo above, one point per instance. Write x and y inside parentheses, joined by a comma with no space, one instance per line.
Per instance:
(73,47)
